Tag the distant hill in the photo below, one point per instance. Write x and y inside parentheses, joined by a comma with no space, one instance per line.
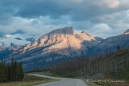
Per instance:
(110,44)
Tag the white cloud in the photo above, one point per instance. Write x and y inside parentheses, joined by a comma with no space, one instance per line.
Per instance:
(77,1)
(105,3)
(10,36)
(112,3)
(101,30)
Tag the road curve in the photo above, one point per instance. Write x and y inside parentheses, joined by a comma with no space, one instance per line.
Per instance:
(62,82)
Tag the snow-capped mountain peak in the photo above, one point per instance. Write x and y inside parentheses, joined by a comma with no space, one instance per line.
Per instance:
(126,32)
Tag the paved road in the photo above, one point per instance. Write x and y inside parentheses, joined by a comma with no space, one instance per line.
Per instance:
(62,82)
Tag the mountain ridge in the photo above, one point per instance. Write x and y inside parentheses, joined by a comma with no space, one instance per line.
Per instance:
(63,44)
(110,44)
(58,44)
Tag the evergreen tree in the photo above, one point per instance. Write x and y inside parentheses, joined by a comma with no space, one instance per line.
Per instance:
(6,73)
(11,72)
(118,47)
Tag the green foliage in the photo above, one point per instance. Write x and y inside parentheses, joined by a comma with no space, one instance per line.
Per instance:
(11,72)
(64,74)
(116,63)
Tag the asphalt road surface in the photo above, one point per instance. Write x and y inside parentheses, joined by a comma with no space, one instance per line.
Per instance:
(62,82)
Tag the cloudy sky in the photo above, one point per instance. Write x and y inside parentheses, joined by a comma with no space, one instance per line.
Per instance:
(33,18)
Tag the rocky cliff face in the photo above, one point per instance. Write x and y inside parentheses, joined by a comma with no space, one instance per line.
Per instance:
(110,44)
(54,46)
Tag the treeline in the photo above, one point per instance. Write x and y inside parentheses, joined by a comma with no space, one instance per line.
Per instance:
(116,63)
(11,72)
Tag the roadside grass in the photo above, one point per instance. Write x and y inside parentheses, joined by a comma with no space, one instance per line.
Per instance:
(92,84)
(106,84)
(108,77)
(63,74)
(74,74)
(29,80)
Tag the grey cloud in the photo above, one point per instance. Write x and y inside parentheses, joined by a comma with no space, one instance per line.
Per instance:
(78,10)
(42,16)
(18,32)
(83,10)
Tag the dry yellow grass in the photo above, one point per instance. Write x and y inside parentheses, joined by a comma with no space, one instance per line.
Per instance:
(25,83)
(29,80)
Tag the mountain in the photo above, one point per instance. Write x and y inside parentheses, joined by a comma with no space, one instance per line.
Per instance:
(110,44)
(126,32)
(7,50)
(63,44)
(55,46)
(14,46)
(2,46)
(99,39)
(8,45)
